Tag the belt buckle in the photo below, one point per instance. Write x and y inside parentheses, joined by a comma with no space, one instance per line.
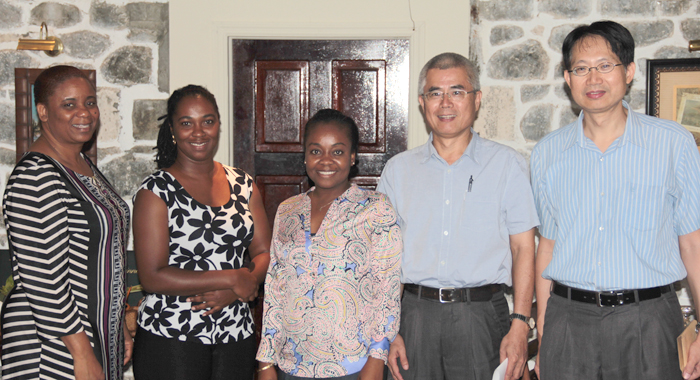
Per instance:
(448,300)
(619,295)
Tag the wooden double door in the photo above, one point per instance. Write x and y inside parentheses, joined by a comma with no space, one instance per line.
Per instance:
(279,84)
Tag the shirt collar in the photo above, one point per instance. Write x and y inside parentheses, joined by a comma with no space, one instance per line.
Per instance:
(353,194)
(471,151)
(634,132)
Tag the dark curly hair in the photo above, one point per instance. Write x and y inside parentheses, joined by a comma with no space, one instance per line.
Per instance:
(50,79)
(336,117)
(166,150)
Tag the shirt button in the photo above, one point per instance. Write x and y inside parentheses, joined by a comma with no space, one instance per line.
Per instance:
(446,233)
(442,262)
(601,159)
(602,194)
(599,263)
(449,171)
(447,202)
(600,228)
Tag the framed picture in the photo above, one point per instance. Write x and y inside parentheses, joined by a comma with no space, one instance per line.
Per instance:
(673,92)
(27,127)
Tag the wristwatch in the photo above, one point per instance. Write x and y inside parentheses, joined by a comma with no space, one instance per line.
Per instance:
(528,320)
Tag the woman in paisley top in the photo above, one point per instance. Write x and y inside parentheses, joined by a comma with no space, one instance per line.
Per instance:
(67,229)
(332,300)
(194,221)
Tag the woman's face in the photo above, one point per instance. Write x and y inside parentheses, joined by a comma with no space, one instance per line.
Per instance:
(196,129)
(71,114)
(328,157)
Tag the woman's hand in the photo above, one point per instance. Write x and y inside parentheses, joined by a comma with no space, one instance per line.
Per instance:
(214,300)
(372,370)
(245,285)
(128,345)
(269,373)
(87,369)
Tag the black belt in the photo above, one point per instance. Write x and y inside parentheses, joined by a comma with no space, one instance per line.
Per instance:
(610,298)
(449,295)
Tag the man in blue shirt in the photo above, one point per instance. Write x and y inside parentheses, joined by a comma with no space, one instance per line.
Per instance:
(618,196)
(467,218)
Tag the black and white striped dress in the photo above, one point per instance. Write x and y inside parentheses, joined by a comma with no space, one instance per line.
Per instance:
(68,235)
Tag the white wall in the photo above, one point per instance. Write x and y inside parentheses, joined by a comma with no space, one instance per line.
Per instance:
(199,38)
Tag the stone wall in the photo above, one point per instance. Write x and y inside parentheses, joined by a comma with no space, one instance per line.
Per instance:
(126,42)
(517,44)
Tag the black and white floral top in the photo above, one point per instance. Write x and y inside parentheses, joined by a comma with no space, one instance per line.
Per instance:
(201,238)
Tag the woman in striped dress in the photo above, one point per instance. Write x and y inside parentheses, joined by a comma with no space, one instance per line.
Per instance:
(67,229)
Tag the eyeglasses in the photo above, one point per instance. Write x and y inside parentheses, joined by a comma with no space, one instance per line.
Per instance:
(455,95)
(603,68)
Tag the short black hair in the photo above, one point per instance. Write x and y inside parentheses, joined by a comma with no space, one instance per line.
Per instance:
(618,37)
(338,118)
(166,150)
(50,79)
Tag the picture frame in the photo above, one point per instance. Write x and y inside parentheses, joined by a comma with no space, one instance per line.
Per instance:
(27,123)
(673,92)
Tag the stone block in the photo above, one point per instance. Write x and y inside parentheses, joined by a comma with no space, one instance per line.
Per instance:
(496,118)
(475,53)
(10,16)
(7,123)
(627,8)
(537,122)
(568,115)
(55,15)
(525,61)
(505,33)
(145,149)
(675,52)
(148,22)
(637,99)
(565,8)
(9,59)
(691,29)
(128,66)
(164,63)
(674,7)
(559,33)
(505,9)
(85,44)
(648,32)
(145,117)
(108,99)
(7,157)
(563,91)
(127,172)
(108,15)
(531,92)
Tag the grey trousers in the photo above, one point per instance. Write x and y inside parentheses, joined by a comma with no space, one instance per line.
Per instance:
(453,340)
(635,342)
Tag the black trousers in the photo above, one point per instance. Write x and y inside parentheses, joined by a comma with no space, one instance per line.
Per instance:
(635,342)
(449,341)
(159,358)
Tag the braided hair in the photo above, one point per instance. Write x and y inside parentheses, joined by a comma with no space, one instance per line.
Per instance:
(166,149)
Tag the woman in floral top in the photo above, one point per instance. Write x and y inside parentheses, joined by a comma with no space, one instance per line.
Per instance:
(332,300)
(194,220)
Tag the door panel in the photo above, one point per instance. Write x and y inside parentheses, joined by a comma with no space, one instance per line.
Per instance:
(279,84)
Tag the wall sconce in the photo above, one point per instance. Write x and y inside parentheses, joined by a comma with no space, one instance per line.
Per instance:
(52,46)
(694,45)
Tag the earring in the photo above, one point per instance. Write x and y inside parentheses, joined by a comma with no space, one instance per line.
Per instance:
(174,142)
(304,162)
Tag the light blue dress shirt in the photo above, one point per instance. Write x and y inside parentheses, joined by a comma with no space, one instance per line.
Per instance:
(616,216)
(456,219)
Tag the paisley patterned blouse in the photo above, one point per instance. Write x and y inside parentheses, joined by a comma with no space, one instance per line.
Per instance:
(201,238)
(332,299)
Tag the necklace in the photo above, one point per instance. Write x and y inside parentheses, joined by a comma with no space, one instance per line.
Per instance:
(324,206)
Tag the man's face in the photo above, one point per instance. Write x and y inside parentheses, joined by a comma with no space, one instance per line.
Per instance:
(596,92)
(447,117)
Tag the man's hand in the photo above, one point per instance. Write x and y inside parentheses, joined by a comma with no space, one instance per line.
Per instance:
(692,366)
(128,345)
(397,350)
(514,348)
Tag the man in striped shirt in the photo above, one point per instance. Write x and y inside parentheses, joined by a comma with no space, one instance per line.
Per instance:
(618,196)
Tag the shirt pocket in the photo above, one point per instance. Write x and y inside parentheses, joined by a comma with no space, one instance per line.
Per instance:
(479,213)
(643,206)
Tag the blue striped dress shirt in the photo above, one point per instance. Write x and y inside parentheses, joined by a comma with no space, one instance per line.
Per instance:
(616,216)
